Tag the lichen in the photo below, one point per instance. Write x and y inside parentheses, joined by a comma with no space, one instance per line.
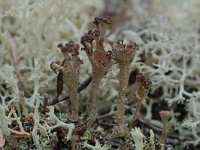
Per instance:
(167,35)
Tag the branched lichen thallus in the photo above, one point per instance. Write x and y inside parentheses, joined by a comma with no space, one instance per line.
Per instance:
(68,73)
(123,54)
(92,43)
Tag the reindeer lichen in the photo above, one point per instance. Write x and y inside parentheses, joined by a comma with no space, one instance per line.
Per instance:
(43,110)
(2,140)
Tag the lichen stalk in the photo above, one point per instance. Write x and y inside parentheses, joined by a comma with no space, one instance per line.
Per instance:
(100,60)
(91,103)
(143,86)
(123,54)
(69,74)
(123,82)
(73,94)
(74,139)
(71,79)
(22,103)
(164,115)
(163,136)
(137,111)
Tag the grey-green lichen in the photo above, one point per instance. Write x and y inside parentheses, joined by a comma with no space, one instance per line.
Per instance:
(4,124)
(167,33)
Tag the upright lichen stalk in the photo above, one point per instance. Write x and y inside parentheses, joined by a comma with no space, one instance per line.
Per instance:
(123,54)
(92,43)
(68,71)
(143,86)
(164,115)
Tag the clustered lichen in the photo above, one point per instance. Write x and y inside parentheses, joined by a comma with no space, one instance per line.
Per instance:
(132,82)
